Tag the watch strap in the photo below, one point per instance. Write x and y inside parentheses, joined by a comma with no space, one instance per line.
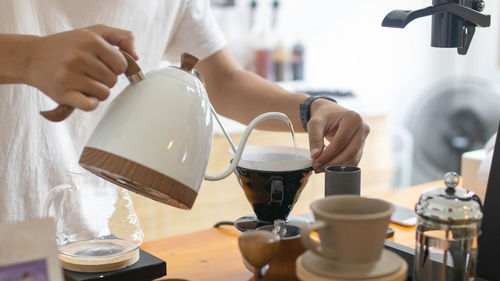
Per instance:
(305,109)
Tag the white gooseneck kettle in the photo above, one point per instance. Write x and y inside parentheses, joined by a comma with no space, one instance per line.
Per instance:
(155,137)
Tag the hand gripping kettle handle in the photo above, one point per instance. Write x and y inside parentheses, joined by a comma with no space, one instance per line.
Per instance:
(259,119)
(63,111)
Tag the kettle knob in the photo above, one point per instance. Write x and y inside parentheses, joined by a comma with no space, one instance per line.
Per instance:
(188,61)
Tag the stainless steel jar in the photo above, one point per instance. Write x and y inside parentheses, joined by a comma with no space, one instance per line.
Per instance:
(449,223)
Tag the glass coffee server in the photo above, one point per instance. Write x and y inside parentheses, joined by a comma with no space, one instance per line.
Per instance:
(97,227)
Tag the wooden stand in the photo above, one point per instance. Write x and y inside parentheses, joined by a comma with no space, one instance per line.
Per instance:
(307,275)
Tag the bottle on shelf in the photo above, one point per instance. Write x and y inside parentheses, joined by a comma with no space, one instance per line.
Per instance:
(248,51)
(298,61)
(253,12)
(281,52)
(262,43)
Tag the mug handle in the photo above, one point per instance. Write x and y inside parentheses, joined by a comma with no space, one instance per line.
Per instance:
(306,230)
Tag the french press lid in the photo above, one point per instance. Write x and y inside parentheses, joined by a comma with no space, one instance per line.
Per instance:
(450,205)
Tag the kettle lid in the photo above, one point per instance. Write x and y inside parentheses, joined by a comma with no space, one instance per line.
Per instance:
(450,205)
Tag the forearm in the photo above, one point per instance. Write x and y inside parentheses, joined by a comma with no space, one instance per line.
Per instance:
(14,58)
(245,95)
(242,96)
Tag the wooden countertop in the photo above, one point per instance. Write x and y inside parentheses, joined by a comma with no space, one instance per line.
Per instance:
(213,254)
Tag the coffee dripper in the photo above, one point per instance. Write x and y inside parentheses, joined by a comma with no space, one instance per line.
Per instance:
(449,223)
(272,178)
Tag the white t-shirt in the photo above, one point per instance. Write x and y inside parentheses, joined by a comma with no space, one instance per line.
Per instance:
(34,153)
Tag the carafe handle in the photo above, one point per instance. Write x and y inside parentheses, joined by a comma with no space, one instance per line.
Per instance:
(259,119)
(49,200)
(62,111)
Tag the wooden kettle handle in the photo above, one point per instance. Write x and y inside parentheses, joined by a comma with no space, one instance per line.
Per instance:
(62,111)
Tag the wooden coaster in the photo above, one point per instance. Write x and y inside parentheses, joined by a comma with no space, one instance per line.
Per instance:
(97,264)
(304,274)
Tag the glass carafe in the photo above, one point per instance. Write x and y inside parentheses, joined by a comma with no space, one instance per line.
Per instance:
(95,220)
(449,223)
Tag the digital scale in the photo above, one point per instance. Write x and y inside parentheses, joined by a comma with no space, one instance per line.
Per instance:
(148,267)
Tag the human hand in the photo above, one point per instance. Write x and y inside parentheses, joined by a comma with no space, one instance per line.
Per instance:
(345,131)
(79,67)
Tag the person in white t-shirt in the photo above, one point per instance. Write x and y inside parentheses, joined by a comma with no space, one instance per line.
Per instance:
(66,52)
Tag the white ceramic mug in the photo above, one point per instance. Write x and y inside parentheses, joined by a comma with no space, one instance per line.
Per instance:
(351,228)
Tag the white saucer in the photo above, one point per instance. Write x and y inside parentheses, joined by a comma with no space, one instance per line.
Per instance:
(388,264)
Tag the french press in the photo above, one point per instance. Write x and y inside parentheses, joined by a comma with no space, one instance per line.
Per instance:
(449,223)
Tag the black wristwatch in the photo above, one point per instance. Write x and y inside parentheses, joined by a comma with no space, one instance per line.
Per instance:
(305,109)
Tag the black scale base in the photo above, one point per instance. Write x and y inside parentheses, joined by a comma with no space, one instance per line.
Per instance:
(148,267)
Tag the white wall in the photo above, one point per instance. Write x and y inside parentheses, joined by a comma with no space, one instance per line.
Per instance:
(348,48)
